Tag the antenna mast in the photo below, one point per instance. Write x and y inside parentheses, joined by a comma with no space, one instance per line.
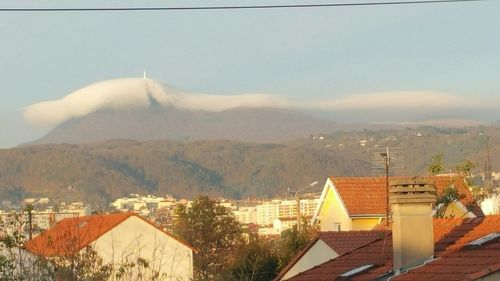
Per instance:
(487,168)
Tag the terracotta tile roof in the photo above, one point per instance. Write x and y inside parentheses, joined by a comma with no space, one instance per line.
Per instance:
(339,241)
(367,195)
(70,235)
(379,253)
(345,241)
(454,261)
(457,262)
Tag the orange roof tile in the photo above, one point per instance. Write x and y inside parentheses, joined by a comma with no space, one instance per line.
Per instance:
(367,195)
(339,241)
(454,262)
(345,241)
(458,263)
(70,235)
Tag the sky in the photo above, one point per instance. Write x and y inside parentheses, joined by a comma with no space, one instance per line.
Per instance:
(349,64)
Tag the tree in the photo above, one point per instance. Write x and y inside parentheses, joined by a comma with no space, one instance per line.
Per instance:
(465,168)
(85,265)
(292,241)
(16,264)
(437,165)
(213,231)
(450,194)
(257,261)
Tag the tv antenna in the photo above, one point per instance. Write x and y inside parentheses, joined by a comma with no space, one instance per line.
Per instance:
(387,161)
(395,158)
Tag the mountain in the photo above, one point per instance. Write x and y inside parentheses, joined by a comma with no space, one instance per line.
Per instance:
(444,123)
(103,171)
(159,122)
(144,109)
(184,169)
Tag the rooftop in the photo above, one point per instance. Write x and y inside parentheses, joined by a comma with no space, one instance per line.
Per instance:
(340,241)
(454,261)
(70,235)
(367,195)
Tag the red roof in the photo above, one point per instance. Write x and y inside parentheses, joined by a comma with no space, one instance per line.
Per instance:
(345,241)
(454,261)
(367,195)
(70,235)
(339,241)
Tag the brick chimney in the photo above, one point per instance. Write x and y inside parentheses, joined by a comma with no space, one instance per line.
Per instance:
(412,233)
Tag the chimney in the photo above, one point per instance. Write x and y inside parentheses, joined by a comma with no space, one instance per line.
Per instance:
(412,234)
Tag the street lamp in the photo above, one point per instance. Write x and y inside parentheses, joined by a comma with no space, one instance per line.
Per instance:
(297,198)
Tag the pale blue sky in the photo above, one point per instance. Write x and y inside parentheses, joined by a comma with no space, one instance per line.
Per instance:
(309,54)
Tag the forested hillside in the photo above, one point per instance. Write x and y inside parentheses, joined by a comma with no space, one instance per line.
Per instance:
(103,171)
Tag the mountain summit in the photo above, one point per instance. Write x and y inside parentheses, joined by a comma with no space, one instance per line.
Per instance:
(144,109)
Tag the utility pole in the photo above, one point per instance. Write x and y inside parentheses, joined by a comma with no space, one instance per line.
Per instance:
(29,209)
(386,157)
(297,199)
(487,171)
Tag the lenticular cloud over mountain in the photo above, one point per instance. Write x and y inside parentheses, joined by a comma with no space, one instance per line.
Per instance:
(137,92)
(144,92)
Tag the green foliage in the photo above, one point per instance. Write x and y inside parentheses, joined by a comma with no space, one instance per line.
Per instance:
(213,231)
(15,263)
(293,241)
(437,165)
(85,265)
(465,168)
(257,261)
(139,270)
(449,195)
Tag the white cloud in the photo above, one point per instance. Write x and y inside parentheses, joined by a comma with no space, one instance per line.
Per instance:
(134,92)
(399,100)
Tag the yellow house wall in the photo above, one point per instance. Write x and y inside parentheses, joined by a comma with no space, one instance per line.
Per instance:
(332,213)
(454,211)
(364,223)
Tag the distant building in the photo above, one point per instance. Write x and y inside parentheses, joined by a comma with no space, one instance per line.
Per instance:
(282,214)
(44,219)
(282,224)
(246,215)
(137,202)
(491,205)
(267,213)
(287,209)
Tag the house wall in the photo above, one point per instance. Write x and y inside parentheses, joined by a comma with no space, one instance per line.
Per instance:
(491,206)
(134,238)
(334,213)
(364,223)
(457,210)
(319,253)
